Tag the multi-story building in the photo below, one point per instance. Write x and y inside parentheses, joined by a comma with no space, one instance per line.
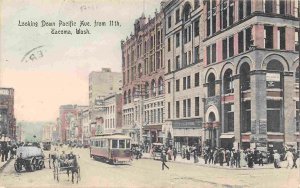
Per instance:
(251,83)
(84,124)
(47,132)
(183,72)
(113,113)
(7,117)
(143,80)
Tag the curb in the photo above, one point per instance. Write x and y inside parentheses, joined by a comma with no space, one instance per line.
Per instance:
(7,162)
(210,166)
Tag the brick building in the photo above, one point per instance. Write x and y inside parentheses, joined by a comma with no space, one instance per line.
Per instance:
(7,117)
(251,87)
(143,80)
(183,59)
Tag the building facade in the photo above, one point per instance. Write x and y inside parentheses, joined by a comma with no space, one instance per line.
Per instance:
(143,80)
(251,83)
(7,117)
(113,114)
(183,72)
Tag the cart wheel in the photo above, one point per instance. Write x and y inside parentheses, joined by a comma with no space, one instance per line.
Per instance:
(18,167)
(32,167)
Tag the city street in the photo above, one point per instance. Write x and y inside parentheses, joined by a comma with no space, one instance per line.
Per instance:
(148,173)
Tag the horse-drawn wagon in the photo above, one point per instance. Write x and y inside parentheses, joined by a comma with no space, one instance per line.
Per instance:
(64,164)
(29,157)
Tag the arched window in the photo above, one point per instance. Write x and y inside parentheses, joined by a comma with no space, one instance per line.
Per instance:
(134,93)
(146,90)
(211,85)
(160,86)
(245,77)
(129,96)
(186,12)
(153,88)
(211,117)
(125,98)
(228,82)
(140,70)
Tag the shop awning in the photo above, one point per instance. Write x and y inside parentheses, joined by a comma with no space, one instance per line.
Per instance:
(227,136)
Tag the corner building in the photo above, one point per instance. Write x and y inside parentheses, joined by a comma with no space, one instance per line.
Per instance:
(183,44)
(143,80)
(251,73)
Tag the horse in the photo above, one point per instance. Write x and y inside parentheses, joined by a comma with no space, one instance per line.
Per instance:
(73,166)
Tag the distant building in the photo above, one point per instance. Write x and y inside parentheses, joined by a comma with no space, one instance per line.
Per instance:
(47,132)
(7,117)
(113,113)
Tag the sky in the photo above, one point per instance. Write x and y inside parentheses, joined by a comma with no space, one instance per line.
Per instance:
(48,70)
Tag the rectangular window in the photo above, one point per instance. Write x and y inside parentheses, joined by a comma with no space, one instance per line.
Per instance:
(177,15)
(231,11)
(214,53)
(268,37)
(177,40)
(214,16)
(248,7)
(177,62)
(281,38)
(297,116)
(197,106)
(196,28)
(177,85)
(241,41)
(208,18)
(169,110)
(169,44)
(122,144)
(197,79)
(273,115)
(169,87)
(190,58)
(169,65)
(268,6)
(184,83)
(231,47)
(169,21)
(188,82)
(177,109)
(297,40)
(185,33)
(189,34)
(189,108)
(224,14)
(224,49)
(184,108)
(248,38)
(208,59)
(282,6)
(241,9)
(196,54)
(114,144)
(184,62)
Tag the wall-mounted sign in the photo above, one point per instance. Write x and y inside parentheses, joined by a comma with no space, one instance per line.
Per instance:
(273,80)
(4,92)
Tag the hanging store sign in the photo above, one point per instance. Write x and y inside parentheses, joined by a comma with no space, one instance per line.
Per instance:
(273,80)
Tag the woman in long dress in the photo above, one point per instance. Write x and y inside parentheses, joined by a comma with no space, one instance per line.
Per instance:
(243,159)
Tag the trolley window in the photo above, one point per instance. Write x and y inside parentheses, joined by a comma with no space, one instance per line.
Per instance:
(121,143)
(114,144)
(128,144)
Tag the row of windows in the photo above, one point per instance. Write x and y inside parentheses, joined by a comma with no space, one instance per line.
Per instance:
(154,116)
(109,123)
(186,108)
(186,83)
(115,144)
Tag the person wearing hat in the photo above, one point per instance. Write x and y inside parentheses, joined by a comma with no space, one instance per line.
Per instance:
(163,160)
(276,159)
(289,157)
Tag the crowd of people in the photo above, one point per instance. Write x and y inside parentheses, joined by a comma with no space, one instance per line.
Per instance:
(7,149)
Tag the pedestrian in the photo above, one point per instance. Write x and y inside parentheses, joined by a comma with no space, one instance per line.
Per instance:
(289,157)
(243,161)
(163,160)
(169,152)
(174,153)
(295,159)
(205,155)
(188,154)
(250,159)
(215,155)
(227,157)
(260,158)
(276,158)
(211,156)
(238,159)
(195,155)
(232,158)
(221,157)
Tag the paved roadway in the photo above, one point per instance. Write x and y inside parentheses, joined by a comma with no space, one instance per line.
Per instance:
(148,173)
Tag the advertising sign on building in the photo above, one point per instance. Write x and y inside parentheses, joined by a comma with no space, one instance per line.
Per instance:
(273,80)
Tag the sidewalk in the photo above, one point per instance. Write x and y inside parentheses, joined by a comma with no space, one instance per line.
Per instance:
(202,163)
(4,163)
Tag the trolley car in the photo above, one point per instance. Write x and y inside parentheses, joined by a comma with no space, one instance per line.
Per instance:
(114,148)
